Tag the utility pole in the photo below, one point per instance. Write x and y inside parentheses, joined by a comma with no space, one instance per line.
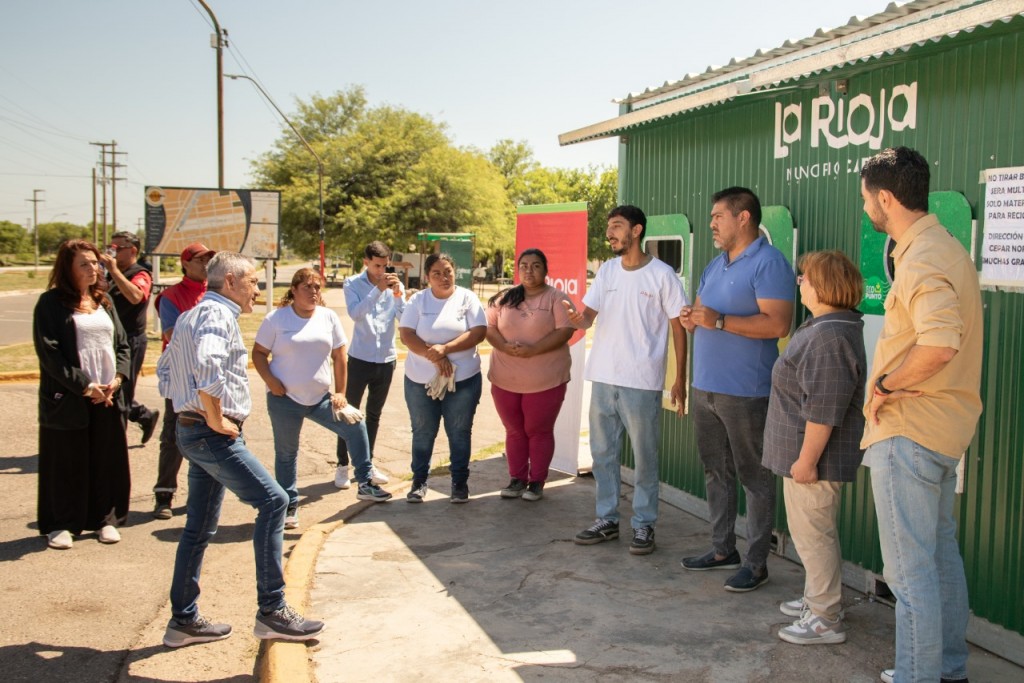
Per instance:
(95,228)
(35,220)
(112,179)
(218,41)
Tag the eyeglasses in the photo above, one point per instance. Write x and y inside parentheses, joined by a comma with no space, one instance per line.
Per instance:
(117,248)
(800,279)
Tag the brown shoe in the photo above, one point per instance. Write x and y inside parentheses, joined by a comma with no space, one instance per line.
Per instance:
(162,509)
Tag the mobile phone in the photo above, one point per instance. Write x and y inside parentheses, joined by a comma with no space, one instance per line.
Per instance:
(389,269)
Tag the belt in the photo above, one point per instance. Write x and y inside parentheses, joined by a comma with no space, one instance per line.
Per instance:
(190,419)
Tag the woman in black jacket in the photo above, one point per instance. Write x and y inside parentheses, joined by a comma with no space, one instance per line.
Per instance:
(84,480)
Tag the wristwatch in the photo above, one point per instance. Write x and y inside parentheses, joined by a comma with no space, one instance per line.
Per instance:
(881,387)
(720,323)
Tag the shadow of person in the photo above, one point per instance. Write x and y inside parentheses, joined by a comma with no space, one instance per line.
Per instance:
(19,464)
(35,662)
(230,533)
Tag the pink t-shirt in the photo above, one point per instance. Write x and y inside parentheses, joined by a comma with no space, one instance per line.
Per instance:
(532,321)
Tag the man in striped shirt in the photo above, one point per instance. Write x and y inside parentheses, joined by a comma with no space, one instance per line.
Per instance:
(204,374)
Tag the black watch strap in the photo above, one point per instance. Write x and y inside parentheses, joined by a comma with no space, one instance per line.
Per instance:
(881,387)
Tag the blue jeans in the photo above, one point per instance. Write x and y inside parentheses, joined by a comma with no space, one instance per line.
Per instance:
(286,418)
(613,410)
(458,409)
(730,435)
(217,462)
(914,490)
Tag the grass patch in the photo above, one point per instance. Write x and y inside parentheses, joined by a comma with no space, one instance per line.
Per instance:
(14,280)
(443,465)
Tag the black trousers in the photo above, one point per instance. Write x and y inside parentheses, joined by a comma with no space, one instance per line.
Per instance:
(170,456)
(363,376)
(136,411)
(84,478)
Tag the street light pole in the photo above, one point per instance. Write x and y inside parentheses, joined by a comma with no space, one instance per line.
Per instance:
(219,47)
(35,221)
(319,161)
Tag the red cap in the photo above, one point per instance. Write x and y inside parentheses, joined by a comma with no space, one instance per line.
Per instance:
(195,249)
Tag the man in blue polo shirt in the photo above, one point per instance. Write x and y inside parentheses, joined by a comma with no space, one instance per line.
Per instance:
(744,304)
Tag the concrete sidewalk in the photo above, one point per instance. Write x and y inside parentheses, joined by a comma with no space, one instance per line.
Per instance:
(496,590)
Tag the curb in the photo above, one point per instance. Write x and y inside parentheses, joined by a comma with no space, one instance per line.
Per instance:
(282,661)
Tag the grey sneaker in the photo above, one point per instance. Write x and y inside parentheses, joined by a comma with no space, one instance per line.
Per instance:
(291,517)
(514,489)
(535,491)
(643,541)
(814,630)
(460,493)
(601,530)
(796,608)
(370,491)
(417,493)
(202,630)
(286,624)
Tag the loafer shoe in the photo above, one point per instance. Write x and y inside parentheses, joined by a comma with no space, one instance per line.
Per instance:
(745,580)
(59,540)
(108,534)
(708,561)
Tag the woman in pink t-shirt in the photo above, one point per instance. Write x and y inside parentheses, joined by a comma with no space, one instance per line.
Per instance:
(529,329)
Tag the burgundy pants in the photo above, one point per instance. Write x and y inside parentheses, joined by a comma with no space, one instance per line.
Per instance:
(529,421)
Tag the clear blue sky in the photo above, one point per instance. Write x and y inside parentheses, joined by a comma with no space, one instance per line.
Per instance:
(142,72)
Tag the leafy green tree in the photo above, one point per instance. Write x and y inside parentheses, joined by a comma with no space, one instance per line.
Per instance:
(14,239)
(52,234)
(389,174)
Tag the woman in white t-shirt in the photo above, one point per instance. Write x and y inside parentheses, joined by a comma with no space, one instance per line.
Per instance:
(299,351)
(441,327)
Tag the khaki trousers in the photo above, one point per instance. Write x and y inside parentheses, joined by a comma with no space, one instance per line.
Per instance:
(812,510)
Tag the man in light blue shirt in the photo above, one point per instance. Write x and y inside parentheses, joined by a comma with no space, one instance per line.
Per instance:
(204,373)
(374,299)
(744,305)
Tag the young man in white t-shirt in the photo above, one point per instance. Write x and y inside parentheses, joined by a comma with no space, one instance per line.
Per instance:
(640,297)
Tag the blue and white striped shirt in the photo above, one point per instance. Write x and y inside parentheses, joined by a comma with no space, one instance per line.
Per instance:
(206,354)
(374,313)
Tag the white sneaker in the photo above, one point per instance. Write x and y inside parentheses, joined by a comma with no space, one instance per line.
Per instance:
(108,534)
(377,477)
(341,479)
(887,675)
(814,630)
(796,608)
(59,540)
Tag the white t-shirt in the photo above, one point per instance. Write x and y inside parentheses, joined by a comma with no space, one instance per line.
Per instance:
(300,350)
(631,335)
(94,335)
(438,321)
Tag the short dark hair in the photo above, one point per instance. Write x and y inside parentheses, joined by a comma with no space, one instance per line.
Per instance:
(376,249)
(434,258)
(903,172)
(129,237)
(633,215)
(740,199)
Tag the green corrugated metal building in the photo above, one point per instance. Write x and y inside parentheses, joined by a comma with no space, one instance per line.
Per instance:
(794,124)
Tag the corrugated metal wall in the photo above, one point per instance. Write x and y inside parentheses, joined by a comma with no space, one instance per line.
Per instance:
(970,116)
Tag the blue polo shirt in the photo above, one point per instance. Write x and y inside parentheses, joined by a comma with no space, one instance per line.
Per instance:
(726,363)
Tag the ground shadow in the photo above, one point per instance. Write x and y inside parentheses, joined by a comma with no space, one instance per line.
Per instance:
(19,464)
(38,662)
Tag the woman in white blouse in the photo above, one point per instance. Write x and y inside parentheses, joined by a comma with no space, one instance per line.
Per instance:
(441,327)
(84,478)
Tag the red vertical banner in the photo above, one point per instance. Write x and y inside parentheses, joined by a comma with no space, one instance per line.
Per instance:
(560,231)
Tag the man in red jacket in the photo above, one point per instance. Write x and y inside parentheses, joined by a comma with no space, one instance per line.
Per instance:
(170,304)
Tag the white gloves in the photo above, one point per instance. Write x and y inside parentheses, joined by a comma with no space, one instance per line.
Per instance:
(348,414)
(440,384)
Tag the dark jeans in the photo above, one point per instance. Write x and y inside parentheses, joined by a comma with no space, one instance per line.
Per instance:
(730,431)
(362,376)
(458,409)
(170,456)
(136,411)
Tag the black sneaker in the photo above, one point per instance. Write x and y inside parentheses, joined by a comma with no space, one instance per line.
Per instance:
(286,624)
(535,491)
(514,489)
(643,541)
(708,561)
(162,509)
(460,493)
(149,425)
(746,580)
(601,530)
(370,491)
(417,493)
(199,631)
